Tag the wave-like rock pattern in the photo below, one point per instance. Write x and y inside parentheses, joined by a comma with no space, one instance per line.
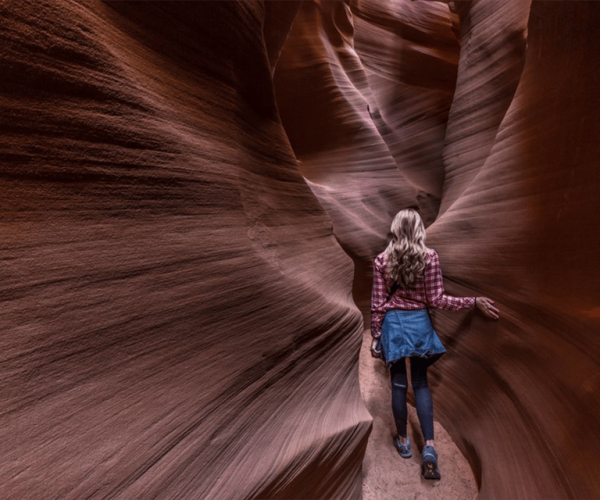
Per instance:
(522,394)
(323,96)
(410,54)
(176,311)
(336,93)
(176,314)
(508,151)
(493,42)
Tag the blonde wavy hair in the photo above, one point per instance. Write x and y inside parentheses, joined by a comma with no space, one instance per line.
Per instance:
(405,253)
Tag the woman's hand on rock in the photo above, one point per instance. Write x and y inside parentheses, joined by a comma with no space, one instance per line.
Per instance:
(486,306)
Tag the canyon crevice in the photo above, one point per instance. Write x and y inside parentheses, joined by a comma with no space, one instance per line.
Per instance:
(192,194)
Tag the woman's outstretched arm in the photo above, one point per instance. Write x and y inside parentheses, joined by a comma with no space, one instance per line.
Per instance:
(434,289)
(436,297)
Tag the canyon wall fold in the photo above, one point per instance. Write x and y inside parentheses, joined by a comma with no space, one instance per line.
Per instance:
(323,97)
(522,393)
(344,102)
(489,111)
(178,180)
(176,317)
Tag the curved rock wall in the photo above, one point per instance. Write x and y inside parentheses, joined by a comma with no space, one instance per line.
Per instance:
(506,151)
(176,314)
(410,54)
(345,103)
(323,96)
(493,42)
(521,395)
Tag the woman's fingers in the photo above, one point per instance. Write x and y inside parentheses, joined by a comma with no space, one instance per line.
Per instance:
(374,351)
(488,308)
(493,313)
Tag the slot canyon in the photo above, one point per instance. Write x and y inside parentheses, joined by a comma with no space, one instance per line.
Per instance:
(193,193)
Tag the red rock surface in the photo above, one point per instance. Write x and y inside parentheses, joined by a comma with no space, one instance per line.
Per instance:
(341,58)
(522,393)
(510,156)
(410,54)
(176,311)
(323,94)
(174,304)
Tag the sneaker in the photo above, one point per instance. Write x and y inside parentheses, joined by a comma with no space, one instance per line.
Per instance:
(403,449)
(430,465)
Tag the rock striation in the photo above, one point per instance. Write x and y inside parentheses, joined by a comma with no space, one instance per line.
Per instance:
(176,317)
(185,187)
(343,100)
(323,97)
(489,111)
(519,228)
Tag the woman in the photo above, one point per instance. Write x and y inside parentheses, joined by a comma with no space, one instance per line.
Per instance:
(407,280)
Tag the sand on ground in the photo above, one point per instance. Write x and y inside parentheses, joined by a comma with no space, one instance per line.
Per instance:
(386,475)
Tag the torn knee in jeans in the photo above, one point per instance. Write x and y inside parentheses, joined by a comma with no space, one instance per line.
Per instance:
(402,386)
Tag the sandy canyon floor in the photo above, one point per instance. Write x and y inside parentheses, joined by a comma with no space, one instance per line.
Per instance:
(387,476)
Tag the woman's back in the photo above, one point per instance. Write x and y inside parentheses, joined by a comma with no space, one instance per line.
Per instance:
(407,279)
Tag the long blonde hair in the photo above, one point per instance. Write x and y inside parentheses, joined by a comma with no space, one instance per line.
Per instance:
(405,254)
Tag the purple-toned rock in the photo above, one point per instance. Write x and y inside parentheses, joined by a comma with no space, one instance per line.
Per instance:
(176,314)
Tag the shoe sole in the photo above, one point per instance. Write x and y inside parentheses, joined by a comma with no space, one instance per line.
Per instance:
(430,470)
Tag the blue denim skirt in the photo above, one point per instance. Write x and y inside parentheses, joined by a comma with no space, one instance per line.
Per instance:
(407,333)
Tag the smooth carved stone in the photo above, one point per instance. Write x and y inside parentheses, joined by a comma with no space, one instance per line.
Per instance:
(176,311)
(410,54)
(521,394)
(489,72)
(512,162)
(176,314)
(338,82)
(323,97)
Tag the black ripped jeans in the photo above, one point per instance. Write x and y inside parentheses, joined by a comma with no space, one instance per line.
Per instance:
(423,401)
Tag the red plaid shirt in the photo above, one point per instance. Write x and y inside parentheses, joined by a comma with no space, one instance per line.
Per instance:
(428,292)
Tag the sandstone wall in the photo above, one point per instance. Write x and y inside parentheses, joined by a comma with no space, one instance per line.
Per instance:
(522,394)
(176,314)
(177,319)
(490,112)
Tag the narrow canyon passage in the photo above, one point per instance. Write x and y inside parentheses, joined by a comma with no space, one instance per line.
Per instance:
(469,111)
(191,197)
(386,475)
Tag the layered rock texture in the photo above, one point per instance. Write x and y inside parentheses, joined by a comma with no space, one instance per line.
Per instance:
(489,111)
(185,187)
(176,317)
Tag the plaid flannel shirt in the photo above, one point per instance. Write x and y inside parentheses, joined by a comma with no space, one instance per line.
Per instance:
(428,292)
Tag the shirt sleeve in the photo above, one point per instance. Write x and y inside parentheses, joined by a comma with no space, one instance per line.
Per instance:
(434,289)
(378,297)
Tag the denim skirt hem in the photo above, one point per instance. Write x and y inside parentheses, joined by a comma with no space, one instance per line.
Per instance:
(409,333)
